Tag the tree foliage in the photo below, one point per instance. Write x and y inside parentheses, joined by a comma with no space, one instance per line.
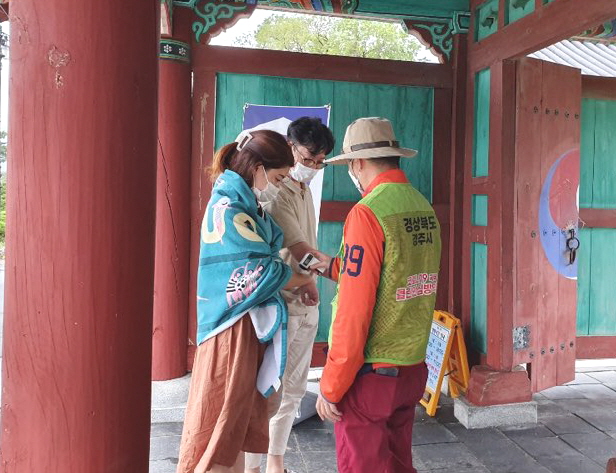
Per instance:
(336,36)
(2,190)
(2,212)
(3,138)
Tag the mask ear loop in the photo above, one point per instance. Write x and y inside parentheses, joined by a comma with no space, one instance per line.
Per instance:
(352,170)
(266,178)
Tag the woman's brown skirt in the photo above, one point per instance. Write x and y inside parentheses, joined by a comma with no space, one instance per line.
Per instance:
(225,413)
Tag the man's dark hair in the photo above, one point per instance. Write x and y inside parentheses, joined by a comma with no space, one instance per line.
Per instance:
(311,133)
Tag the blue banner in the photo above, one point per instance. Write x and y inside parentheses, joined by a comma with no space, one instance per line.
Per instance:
(277,118)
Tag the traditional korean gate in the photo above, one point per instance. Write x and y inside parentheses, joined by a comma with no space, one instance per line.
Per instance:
(596,318)
(547,143)
(348,102)
(416,97)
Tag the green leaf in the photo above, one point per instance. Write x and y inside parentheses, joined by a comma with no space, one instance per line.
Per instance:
(335,36)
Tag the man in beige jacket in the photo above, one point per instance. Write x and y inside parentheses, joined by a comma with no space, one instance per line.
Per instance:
(310,141)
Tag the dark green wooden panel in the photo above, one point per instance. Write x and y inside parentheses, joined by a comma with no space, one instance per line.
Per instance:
(439,8)
(587,151)
(486,17)
(479,210)
(479,297)
(602,320)
(596,314)
(330,237)
(411,110)
(604,185)
(584,294)
(481,141)
(517,9)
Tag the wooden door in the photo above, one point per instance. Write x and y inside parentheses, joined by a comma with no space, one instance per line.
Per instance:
(548,99)
(417,97)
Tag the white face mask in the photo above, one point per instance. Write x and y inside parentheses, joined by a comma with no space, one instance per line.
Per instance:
(268,194)
(302,173)
(355,180)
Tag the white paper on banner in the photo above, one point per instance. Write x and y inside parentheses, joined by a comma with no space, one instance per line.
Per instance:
(316,187)
(280,125)
(435,355)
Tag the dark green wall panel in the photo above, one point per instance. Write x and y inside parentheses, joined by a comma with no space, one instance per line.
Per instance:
(596,282)
(516,9)
(438,8)
(481,136)
(411,110)
(479,210)
(486,17)
(602,282)
(330,236)
(479,297)
(587,151)
(604,184)
(597,258)
(584,295)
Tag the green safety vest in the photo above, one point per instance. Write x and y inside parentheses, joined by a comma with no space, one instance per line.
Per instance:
(406,294)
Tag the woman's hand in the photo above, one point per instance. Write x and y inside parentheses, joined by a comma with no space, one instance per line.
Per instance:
(309,295)
(298,280)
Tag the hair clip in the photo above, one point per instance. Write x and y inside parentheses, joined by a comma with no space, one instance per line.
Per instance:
(243,139)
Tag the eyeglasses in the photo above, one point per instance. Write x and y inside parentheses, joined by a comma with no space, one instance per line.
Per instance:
(310,161)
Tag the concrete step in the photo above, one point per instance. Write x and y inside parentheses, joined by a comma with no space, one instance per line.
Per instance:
(169,401)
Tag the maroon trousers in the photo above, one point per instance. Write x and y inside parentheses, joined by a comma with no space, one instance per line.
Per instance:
(375,433)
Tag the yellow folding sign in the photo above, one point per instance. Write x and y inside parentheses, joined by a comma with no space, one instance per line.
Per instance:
(446,355)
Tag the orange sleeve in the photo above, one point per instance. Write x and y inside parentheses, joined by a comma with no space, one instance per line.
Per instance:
(357,287)
(334,268)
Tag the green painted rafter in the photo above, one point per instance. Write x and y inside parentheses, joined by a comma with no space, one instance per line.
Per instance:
(412,8)
(437,33)
(435,22)
(214,16)
(327,6)
(605,32)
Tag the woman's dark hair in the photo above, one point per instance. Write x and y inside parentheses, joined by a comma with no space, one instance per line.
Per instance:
(311,133)
(266,148)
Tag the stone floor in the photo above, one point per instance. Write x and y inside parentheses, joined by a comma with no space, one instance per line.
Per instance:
(576,434)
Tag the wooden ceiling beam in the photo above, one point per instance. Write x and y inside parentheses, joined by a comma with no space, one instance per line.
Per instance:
(4,10)
(307,66)
(550,24)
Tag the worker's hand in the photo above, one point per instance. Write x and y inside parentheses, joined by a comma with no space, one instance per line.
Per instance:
(327,410)
(324,263)
(309,294)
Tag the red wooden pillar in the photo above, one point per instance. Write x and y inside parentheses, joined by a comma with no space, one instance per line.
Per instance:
(498,381)
(456,187)
(80,236)
(204,113)
(171,274)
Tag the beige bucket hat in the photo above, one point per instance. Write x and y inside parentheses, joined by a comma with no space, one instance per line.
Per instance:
(371,137)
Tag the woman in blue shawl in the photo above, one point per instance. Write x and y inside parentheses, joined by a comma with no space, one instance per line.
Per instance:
(241,316)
